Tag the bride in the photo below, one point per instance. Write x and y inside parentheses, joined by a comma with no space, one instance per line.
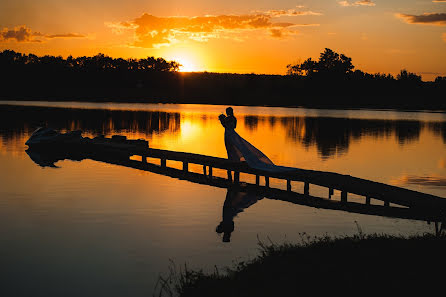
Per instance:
(240,150)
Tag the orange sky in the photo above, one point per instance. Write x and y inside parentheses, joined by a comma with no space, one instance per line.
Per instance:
(235,36)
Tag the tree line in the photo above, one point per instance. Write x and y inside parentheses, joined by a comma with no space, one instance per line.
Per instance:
(100,62)
(329,82)
(332,65)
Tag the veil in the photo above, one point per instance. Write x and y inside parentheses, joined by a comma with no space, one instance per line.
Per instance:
(239,149)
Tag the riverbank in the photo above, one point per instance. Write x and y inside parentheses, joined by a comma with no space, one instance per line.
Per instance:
(360,264)
(135,99)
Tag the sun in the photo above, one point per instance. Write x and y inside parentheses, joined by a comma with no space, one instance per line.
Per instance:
(187,65)
(188,62)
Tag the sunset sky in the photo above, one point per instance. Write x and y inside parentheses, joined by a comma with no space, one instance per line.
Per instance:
(235,36)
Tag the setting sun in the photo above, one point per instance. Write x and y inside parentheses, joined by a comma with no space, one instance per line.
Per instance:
(190,58)
(188,64)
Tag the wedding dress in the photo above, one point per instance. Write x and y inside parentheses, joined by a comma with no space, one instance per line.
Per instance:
(240,150)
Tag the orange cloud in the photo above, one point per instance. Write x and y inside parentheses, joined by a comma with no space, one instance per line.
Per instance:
(19,34)
(357,3)
(152,31)
(67,35)
(427,180)
(24,34)
(289,12)
(438,19)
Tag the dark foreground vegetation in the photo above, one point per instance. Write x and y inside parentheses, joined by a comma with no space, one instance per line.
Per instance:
(362,265)
(329,82)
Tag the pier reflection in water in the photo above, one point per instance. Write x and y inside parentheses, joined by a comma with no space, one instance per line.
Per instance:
(241,195)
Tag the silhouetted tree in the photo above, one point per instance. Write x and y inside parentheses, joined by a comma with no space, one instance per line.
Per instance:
(329,63)
(99,62)
(408,77)
(440,80)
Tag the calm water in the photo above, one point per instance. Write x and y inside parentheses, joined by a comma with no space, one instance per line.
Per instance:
(93,229)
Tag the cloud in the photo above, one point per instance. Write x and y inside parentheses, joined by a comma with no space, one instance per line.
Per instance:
(67,35)
(428,180)
(19,34)
(276,33)
(289,12)
(357,3)
(152,31)
(438,19)
(120,27)
(25,34)
(439,1)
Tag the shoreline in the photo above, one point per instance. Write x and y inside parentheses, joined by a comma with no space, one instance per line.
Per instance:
(30,101)
(361,264)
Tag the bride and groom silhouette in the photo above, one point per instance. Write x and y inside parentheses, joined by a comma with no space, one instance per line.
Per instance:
(240,150)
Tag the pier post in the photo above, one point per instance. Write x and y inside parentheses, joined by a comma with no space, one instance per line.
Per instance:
(344,196)
(386,203)
(229,175)
(267,181)
(367,200)
(288,185)
(185,166)
(330,192)
(143,159)
(163,163)
(236,177)
(204,170)
(306,188)
(257,179)
(210,171)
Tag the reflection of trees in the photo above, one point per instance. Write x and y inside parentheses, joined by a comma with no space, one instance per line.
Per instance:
(16,120)
(439,129)
(333,136)
(251,122)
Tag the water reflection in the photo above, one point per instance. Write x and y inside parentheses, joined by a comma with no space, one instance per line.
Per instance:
(240,196)
(236,201)
(329,135)
(125,224)
(23,119)
(333,136)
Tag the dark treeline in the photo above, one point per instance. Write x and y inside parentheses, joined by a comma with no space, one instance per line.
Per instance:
(331,136)
(329,82)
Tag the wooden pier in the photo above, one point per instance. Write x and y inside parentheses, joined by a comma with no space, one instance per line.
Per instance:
(120,151)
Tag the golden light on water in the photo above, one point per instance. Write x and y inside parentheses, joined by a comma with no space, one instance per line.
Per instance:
(190,130)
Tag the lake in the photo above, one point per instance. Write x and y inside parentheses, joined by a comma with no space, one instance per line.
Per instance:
(88,228)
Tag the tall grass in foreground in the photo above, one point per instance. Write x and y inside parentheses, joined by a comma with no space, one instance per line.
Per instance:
(360,264)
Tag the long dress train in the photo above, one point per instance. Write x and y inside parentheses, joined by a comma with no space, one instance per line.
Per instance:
(239,149)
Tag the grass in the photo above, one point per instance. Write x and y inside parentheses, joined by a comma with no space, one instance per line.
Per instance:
(359,264)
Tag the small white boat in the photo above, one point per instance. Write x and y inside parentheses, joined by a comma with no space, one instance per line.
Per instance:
(43,136)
